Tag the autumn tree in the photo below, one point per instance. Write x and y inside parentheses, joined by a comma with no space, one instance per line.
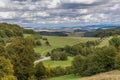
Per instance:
(22,55)
(6,68)
(40,71)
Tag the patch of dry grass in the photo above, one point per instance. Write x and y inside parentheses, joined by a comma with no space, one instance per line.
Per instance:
(112,75)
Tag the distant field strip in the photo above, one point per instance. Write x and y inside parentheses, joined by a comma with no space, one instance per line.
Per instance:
(105,42)
(66,77)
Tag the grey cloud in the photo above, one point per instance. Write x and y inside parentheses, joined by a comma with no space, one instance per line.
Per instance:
(64,12)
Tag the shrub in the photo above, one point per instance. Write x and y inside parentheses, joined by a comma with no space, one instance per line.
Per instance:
(100,61)
(78,63)
(40,71)
(9,78)
(59,55)
(69,70)
(117,61)
(58,71)
(6,68)
(38,43)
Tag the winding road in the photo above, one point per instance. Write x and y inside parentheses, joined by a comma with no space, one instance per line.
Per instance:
(43,59)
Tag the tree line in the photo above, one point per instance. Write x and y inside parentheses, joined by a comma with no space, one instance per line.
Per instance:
(103,33)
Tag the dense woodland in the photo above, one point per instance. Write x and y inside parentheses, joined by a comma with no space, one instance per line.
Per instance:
(53,33)
(103,32)
(17,56)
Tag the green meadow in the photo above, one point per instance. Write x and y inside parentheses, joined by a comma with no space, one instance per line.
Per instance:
(57,42)
(51,63)
(66,77)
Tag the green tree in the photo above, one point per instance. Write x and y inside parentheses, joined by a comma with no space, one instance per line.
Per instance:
(9,77)
(78,64)
(117,61)
(6,68)
(59,55)
(2,51)
(115,41)
(58,71)
(38,43)
(40,71)
(22,55)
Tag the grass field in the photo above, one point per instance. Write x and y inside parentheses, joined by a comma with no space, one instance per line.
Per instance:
(57,41)
(66,77)
(105,42)
(51,63)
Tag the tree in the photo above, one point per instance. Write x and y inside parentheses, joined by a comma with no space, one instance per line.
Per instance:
(2,51)
(99,61)
(78,63)
(9,77)
(40,71)
(115,41)
(117,61)
(63,56)
(22,55)
(47,43)
(58,71)
(6,68)
(58,55)
(38,43)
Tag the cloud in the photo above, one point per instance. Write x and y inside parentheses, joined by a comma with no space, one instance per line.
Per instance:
(59,11)
(8,15)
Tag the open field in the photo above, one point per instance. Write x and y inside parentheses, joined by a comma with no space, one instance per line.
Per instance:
(66,77)
(57,41)
(105,42)
(51,63)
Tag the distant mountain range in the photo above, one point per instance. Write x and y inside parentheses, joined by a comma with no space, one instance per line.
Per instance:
(99,26)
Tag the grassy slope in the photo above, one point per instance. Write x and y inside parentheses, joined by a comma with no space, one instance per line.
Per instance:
(57,42)
(105,42)
(66,77)
(58,63)
(112,75)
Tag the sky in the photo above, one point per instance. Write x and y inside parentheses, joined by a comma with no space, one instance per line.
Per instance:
(49,13)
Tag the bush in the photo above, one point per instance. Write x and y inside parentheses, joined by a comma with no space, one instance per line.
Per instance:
(69,70)
(47,43)
(78,63)
(115,41)
(58,71)
(58,55)
(100,61)
(38,43)
(32,77)
(6,68)
(9,78)
(117,61)
(40,71)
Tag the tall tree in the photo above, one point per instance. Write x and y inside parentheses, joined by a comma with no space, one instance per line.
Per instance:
(6,68)
(21,53)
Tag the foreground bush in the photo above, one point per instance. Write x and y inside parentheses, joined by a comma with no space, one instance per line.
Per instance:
(40,71)
(6,68)
(100,61)
(9,78)
(58,71)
